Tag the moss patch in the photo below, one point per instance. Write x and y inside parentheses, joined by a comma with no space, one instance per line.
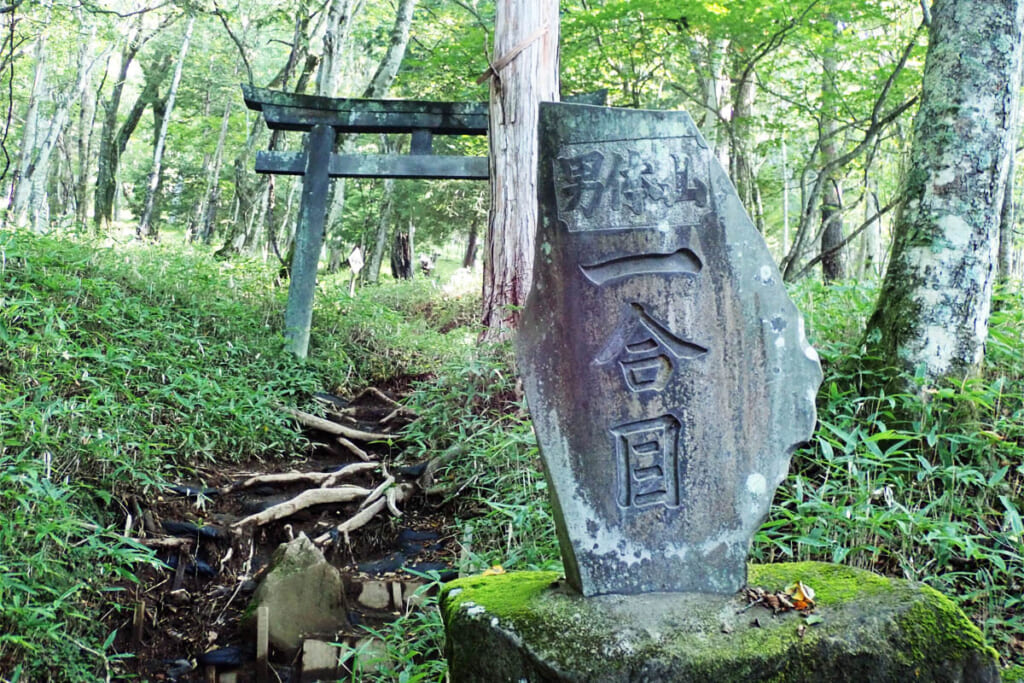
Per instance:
(865,628)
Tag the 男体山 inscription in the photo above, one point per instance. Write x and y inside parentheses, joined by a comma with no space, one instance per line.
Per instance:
(630,182)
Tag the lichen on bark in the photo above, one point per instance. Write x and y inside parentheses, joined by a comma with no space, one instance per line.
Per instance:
(932,312)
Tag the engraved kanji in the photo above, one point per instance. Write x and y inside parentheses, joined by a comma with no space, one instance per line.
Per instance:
(647,456)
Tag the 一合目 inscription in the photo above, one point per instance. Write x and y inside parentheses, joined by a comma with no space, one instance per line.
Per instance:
(648,462)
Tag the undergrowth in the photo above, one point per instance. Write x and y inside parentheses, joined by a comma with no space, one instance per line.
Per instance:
(926,485)
(122,368)
(119,369)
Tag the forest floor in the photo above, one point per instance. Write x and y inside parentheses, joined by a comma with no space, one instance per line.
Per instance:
(185,620)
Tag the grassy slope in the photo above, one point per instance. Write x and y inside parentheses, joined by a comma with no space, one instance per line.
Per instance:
(120,368)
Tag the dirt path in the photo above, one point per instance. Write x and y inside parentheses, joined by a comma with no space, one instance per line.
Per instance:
(179,620)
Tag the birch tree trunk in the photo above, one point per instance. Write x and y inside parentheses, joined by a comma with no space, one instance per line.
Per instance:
(206,217)
(522,80)
(933,310)
(372,272)
(147,227)
(30,192)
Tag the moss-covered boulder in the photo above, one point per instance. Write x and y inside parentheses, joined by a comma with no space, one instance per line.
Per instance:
(531,627)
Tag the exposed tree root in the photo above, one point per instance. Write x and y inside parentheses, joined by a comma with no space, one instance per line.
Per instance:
(334,428)
(319,496)
(324,479)
(354,449)
(392,496)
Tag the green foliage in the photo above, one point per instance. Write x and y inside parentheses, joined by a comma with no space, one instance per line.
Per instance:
(471,411)
(924,485)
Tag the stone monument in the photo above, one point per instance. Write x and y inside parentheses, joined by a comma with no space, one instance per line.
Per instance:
(665,366)
(669,381)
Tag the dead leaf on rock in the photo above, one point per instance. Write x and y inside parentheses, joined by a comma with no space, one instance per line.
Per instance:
(798,596)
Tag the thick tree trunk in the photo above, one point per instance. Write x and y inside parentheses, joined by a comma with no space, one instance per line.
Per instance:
(932,313)
(401,255)
(147,225)
(530,77)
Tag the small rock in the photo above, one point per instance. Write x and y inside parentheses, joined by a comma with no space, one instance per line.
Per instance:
(303,593)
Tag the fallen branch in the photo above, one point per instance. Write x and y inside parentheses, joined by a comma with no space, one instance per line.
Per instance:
(322,478)
(334,428)
(306,499)
(164,543)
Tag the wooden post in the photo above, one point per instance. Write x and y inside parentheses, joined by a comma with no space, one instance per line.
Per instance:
(262,643)
(309,238)
(138,624)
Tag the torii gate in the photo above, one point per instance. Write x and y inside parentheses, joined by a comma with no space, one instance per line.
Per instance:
(324,118)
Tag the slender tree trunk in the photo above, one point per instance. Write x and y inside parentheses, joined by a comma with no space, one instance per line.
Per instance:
(1008,214)
(469,258)
(870,253)
(114,140)
(388,67)
(86,125)
(516,91)
(832,198)
(147,225)
(31,190)
(23,171)
(211,201)
(372,271)
(933,310)
(740,153)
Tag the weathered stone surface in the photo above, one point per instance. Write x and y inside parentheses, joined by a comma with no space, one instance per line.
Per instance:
(304,594)
(868,629)
(665,367)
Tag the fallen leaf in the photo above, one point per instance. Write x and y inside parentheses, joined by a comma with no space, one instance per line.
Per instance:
(801,630)
(813,619)
(496,569)
(801,594)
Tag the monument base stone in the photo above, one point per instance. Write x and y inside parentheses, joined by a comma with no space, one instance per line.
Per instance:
(532,627)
